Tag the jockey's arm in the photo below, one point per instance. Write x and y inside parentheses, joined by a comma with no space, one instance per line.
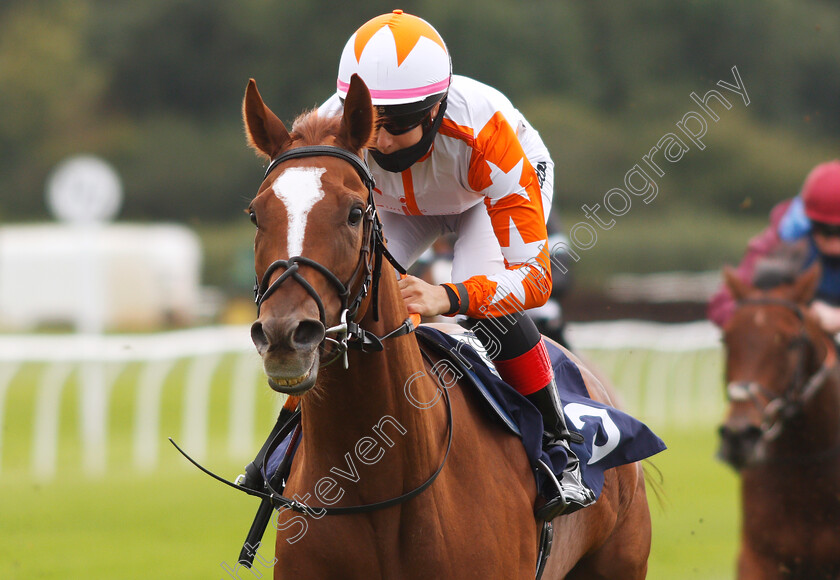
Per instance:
(828,315)
(500,170)
(423,298)
(722,305)
(524,284)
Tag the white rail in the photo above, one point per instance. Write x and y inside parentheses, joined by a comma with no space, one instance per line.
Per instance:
(667,375)
(97,361)
(638,334)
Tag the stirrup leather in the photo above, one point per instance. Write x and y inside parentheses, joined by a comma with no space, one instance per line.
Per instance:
(564,436)
(548,403)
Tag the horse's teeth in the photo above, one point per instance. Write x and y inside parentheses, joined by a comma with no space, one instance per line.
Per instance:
(291,382)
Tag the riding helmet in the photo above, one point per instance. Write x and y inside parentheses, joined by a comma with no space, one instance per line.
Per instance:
(821,193)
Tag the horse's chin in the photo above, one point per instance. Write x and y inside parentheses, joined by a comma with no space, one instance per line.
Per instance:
(741,458)
(733,461)
(296,385)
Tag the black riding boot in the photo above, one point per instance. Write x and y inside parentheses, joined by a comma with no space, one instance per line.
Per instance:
(572,493)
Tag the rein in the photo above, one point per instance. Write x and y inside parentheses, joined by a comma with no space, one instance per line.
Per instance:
(278,501)
(780,409)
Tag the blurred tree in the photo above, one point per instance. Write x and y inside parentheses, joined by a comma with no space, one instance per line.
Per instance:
(180,57)
(156,86)
(50,90)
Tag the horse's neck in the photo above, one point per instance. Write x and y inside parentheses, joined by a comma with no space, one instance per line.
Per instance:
(822,416)
(823,410)
(369,398)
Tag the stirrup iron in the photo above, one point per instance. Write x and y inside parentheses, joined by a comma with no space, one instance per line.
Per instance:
(572,493)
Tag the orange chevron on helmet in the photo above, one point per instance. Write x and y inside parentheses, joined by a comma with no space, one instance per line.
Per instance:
(400,57)
(407,30)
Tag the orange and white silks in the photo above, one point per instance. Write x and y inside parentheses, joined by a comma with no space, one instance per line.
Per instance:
(485,153)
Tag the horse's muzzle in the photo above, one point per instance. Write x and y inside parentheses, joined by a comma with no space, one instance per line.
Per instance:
(289,349)
(739,445)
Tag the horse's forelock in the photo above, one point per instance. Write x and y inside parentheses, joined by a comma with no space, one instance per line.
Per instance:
(310,128)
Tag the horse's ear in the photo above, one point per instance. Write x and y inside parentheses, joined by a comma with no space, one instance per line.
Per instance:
(806,285)
(737,287)
(357,124)
(266,133)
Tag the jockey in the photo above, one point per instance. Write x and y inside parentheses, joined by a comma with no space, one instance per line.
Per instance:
(453,156)
(812,220)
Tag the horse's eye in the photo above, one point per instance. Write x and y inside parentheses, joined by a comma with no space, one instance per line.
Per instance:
(252,214)
(355,216)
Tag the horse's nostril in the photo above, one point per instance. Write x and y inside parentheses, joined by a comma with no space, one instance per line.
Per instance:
(752,433)
(308,334)
(745,434)
(259,338)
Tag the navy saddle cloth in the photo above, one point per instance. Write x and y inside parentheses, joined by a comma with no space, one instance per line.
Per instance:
(611,437)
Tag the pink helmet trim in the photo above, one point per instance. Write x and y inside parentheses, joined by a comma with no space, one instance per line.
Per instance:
(418,92)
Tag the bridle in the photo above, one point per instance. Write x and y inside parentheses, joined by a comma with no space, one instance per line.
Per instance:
(777,410)
(365,277)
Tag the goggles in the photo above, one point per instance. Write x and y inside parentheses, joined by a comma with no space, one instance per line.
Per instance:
(401,124)
(826,230)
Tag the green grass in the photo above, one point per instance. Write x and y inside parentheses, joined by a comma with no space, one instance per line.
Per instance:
(696,526)
(171,523)
(178,523)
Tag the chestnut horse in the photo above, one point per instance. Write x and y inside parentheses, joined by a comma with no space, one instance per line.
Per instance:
(782,432)
(378,427)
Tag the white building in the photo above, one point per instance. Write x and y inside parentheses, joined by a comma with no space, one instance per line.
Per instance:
(127,277)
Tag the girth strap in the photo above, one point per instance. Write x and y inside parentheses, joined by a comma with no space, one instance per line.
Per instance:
(253,479)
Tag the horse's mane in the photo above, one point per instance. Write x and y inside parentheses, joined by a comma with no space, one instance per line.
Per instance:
(780,267)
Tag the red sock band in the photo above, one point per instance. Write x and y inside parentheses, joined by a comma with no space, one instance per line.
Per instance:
(529,372)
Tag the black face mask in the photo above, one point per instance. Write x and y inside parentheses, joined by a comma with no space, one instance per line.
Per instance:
(399,161)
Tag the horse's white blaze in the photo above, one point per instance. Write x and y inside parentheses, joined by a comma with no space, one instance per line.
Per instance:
(299,188)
